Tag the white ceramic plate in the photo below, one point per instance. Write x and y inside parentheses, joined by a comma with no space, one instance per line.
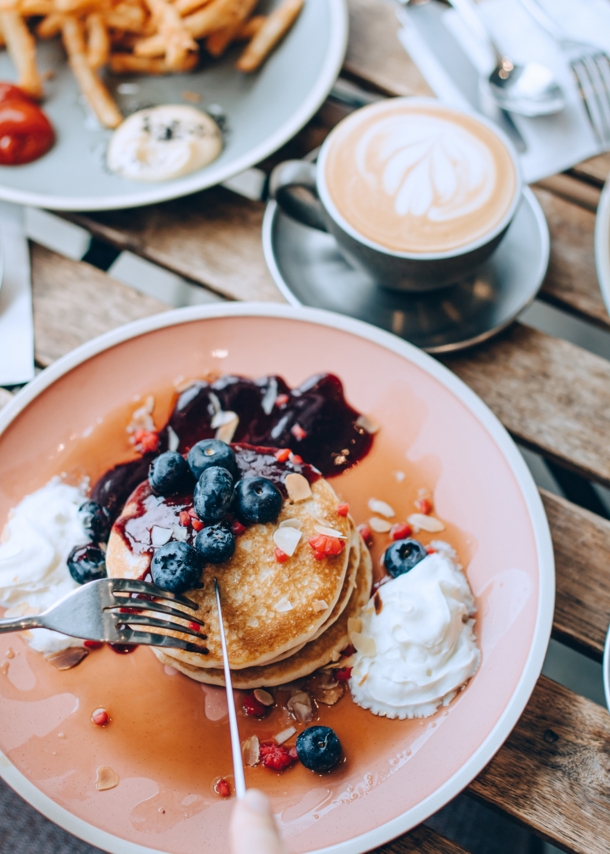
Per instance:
(602,244)
(263,111)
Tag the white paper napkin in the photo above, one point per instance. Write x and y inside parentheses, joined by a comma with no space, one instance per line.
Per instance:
(553,143)
(16,324)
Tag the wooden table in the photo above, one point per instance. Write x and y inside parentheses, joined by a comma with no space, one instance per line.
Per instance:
(553,773)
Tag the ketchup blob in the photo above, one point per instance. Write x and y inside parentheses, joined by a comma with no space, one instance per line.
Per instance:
(25,132)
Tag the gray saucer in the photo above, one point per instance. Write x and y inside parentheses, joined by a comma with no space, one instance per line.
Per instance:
(309,270)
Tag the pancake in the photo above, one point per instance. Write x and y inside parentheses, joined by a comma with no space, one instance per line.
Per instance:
(313,655)
(269,608)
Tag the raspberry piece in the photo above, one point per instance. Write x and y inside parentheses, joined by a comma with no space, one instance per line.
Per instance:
(197,525)
(326,545)
(296,459)
(253,707)
(298,432)
(281,400)
(237,528)
(365,533)
(430,550)
(319,555)
(343,675)
(282,455)
(100,717)
(343,509)
(280,556)
(424,505)
(349,650)
(276,756)
(222,788)
(192,513)
(146,441)
(195,627)
(185,519)
(400,531)
(91,644)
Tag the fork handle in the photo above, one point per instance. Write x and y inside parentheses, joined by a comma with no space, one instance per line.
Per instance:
(19,624)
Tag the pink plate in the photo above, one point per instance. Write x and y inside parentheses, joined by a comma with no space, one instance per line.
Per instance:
(168,739)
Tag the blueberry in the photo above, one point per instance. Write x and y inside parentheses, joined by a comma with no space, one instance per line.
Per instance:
(213,494)
(318,748)
(211,452)
(169,474)
(95,520)
(176,567)
(87,563)
(215,544)
(402,556)
(257,500)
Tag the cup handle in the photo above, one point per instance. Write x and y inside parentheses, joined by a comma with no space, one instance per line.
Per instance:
(288,176)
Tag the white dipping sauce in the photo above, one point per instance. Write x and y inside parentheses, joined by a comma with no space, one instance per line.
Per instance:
(420,648)
(165,142)
(40,534)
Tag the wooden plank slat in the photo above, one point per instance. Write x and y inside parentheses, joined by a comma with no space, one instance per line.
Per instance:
(568,187)
(581,542)
(553,772)
(595,170)
(74,302)
(422,840)
(211,237)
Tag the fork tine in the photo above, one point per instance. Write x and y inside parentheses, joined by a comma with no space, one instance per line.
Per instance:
(150,622)
(600,93)
(157,607)
(588,98)
(128,585)
(602,63)
(149,639)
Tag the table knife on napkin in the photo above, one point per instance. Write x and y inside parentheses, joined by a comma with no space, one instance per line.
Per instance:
(238,764)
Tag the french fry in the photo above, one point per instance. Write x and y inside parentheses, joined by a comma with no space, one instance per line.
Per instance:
(214,16)
(127,63)
(36,7)
(217,42)
(178,41)
(185,7)
(250,28)
(21,46)
(90,84)
(74,7)
(98,42)
(274,28)
(130,19)
(50,26)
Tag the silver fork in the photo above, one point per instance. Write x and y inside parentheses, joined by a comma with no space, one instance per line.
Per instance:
(105,610)
(590,68)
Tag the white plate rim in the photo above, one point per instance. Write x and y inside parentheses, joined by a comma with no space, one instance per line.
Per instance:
(203,179)
(271,211)
(602,244)
(546,593)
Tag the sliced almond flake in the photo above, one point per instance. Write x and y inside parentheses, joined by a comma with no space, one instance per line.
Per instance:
(283,605)
(329,532)
(284,735)
(298,487)
(159,536)
(250,750)
(381,507)
(364,644)
(367,423)
(179,533)
(106,778)
(335,656)
(291,523)
(227,430)
(66,659)
(320,605)
(287,539)
(264,697)
(268,401)
(149,404)
(221,418)
(216,404)
(173,440)
(380,526)
(426,523)
(354,624)
(300,707)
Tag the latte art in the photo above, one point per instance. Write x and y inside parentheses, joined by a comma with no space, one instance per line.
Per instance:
(419,178)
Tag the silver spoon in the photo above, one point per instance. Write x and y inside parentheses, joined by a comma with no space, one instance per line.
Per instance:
(530,89)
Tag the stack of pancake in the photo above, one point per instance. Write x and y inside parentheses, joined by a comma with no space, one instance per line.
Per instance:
(282,620)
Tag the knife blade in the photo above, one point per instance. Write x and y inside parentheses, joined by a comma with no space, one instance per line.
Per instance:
(238,765)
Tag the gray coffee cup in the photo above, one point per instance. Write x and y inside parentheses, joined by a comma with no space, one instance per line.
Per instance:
(300,189)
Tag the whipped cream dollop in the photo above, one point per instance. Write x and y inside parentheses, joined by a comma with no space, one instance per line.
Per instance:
(416,645)
(40,534)
(165,142)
